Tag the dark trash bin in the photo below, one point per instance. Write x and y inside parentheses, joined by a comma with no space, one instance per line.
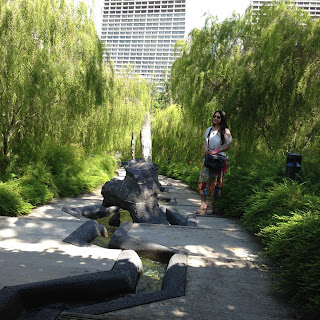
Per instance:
(293,165)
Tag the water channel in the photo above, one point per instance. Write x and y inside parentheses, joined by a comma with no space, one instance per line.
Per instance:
(153,271)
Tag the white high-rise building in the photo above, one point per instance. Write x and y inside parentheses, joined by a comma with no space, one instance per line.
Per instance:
(142,33)
(313,7)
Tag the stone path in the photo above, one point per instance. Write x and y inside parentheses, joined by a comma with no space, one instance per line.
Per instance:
(226,277)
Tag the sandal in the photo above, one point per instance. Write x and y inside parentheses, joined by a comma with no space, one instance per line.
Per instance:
(201,210)
(210,210)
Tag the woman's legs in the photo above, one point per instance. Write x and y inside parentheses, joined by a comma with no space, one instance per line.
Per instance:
(213,200)
(211,207)
(216,186)
(203,205)
(202,188)
(203,201)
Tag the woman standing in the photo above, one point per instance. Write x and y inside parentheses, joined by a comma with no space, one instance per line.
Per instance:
(217,140)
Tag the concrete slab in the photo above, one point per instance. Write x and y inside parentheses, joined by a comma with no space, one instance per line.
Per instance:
(220,243)
(187,194)
(32,250)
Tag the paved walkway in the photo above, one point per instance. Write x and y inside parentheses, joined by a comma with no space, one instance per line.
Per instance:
(226,278)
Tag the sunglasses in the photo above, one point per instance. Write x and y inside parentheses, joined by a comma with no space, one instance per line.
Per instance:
(218,117)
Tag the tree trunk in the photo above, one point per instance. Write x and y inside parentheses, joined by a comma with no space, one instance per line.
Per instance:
(146,140)
(132,147)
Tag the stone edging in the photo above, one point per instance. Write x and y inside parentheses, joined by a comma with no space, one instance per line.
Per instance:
(122,279)
(173,286)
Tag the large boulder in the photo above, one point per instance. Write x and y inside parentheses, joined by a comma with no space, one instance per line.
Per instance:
(137,193)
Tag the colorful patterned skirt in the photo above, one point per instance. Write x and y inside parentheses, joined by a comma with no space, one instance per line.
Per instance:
(210,182)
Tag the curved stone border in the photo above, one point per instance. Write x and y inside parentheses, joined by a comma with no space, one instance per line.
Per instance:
(173,286)
(121,279)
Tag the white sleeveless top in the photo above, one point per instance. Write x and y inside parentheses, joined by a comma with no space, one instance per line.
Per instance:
(215,139)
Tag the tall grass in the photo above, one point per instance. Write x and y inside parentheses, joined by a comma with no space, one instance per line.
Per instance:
(60,171)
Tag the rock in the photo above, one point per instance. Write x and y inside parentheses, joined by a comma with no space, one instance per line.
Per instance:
(175,218)
(167,199)
(91,212)
(86,233)
(181,219)
(115,219)
(137,193)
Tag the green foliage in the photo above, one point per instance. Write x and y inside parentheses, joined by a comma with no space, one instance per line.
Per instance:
(186,172)
(60,101)
(267,84)
(61,171)
(294,246)
(199,76)
(36,190)
(161,99)
(55,85)
(75,172)
(268,207)
(130,101)
(51,71)
(11,202)
(175,138)
(263,70)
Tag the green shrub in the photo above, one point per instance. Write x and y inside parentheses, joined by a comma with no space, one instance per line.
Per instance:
(186,172)
(236,190)
(294,246)
(58,172)
(64,160)
(94,171)
(35,191)
(37,184)
(74,172)
(11,202)
(268,206)
(240,184)
(99,169)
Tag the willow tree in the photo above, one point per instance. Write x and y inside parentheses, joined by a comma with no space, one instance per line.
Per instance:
(127,100)
(200,74)
(50,72)
(262,69)
(273,91)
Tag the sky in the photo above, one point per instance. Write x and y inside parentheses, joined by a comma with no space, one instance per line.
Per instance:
(195,10)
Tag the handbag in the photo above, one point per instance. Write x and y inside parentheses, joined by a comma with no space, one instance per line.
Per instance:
(213,161)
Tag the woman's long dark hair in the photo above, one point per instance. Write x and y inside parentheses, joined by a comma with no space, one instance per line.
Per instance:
(223,124)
